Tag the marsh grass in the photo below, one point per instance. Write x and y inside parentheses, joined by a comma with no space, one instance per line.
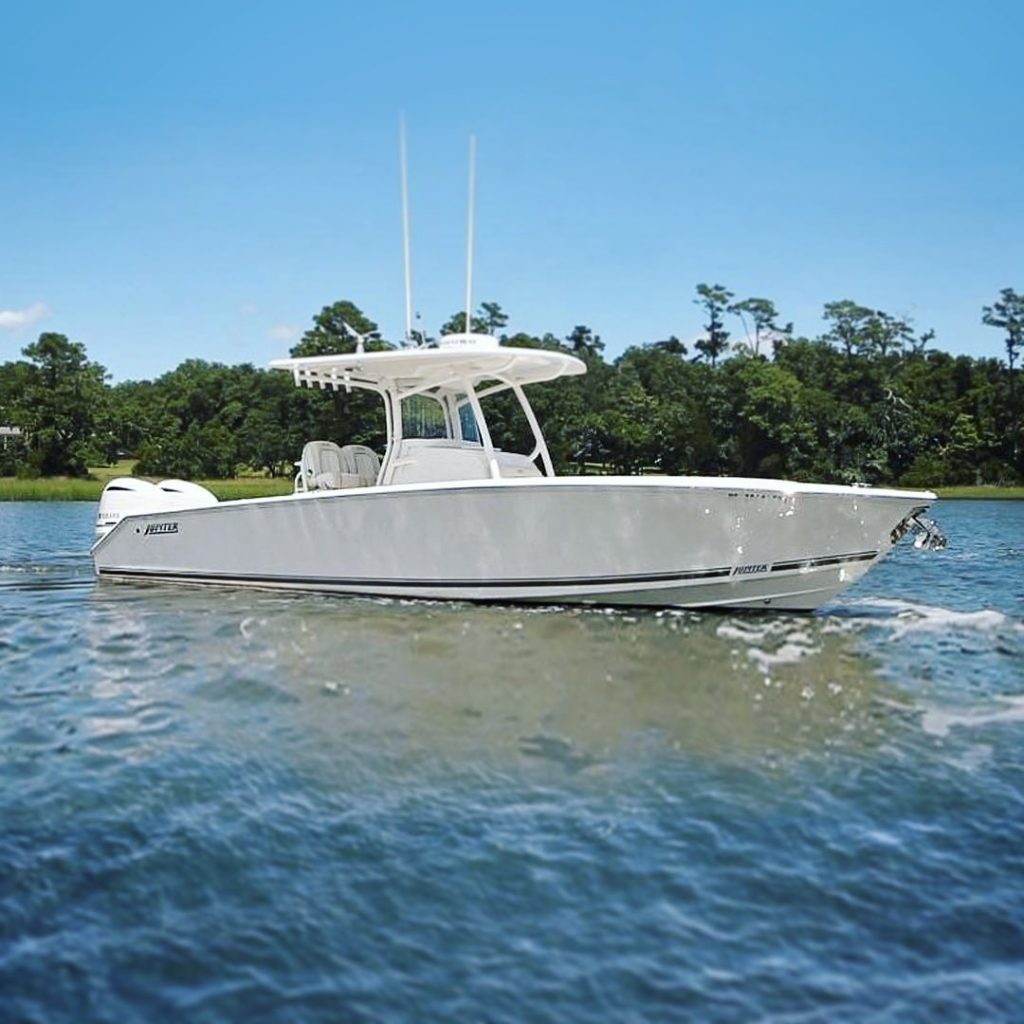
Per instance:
(65,488)
(981,491)
(248,487)
(57,488)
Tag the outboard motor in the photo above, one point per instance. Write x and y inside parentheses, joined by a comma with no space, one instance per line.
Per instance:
(129,496)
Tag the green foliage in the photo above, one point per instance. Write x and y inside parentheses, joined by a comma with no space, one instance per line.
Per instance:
(1007,314)
(334,331)
(494,317)
(715,301)
(584,343)
(868,401)
(488,319)
(776,428)
(762,315)
(58,398)
(848,322)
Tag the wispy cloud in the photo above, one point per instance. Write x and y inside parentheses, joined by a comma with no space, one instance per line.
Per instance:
(12,319)
(285,332)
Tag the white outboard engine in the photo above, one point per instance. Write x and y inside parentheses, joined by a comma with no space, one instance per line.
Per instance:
(128,496)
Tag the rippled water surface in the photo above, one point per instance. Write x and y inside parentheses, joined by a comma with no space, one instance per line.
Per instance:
(235,806)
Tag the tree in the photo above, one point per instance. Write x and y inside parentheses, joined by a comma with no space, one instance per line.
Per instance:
(63,397)
(715,300)
(672,345)
(494,317)
(276,423)
(584,342)
(488,319)
(14,379)
(963,451)
(1007,314)
(627,426)
(883,334)
(775,432)
(205,451)
(332,329)
(763,314)
(848,320)
(919,343)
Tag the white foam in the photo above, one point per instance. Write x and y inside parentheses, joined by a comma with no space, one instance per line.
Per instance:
(910,618)
(939,721)
(974,757)
(734,631)
(788,654)
(770,644)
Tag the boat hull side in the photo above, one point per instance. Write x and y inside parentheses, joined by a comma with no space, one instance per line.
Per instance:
(623,541)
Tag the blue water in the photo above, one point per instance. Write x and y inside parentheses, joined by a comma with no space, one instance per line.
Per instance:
(230,806)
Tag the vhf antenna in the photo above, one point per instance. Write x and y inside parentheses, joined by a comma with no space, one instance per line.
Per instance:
(469,235)
(405,229)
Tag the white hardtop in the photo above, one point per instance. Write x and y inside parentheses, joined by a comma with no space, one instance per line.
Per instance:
(458,360)
(456,373)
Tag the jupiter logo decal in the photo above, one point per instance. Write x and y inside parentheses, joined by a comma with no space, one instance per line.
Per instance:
(160,528)
(746,570)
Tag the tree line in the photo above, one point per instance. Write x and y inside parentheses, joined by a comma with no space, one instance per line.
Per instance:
(868,400)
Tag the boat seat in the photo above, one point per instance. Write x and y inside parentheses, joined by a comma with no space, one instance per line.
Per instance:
(326,467)
(362,462)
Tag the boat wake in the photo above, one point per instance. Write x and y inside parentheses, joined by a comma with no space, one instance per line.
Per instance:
(771,644)
(941,721)
(906,617)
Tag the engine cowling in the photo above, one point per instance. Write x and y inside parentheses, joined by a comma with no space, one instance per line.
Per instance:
(129,496)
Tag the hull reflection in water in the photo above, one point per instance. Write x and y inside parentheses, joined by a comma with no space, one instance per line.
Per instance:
(393,687)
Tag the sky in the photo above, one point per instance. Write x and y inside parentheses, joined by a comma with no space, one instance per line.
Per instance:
(197,179)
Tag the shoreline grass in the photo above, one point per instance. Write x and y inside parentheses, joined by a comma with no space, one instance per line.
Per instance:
(65,488)
(981,491)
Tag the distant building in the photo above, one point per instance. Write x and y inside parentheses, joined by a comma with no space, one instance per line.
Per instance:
(8,434)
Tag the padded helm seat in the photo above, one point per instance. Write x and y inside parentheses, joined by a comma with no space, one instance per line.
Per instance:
(326,467)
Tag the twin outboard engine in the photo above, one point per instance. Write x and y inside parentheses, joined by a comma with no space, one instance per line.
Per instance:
(128,496)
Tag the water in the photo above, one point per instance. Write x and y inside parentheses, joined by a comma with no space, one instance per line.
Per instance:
(226,806)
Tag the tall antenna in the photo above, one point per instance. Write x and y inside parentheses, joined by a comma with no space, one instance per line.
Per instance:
(405,228)
(469,234)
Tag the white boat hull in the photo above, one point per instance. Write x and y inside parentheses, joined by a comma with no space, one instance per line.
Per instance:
(659,541)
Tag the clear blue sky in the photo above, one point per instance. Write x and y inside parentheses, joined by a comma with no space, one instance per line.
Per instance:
(198,179)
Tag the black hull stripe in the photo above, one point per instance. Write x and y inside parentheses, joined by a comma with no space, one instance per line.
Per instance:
(334,581)
(816,563)
(722,572)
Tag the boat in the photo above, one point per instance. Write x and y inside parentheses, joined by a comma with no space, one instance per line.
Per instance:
(444,513)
